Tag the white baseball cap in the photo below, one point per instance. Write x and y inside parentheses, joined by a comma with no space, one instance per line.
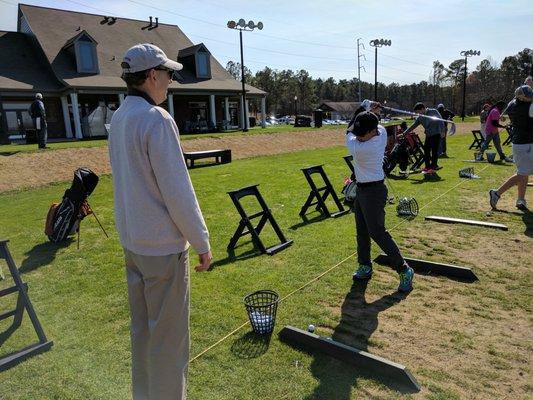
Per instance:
(146,56)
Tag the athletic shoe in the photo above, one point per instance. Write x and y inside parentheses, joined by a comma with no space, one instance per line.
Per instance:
(430,171)
(508,159)
(521,205)
(493,198)
(479,157)
(406,280)
(363,272)
(425,170)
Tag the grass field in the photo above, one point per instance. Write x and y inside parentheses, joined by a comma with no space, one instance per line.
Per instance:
(460,340)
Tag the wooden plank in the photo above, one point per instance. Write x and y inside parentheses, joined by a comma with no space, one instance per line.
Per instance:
(433,268)
(369,363)
(449,220)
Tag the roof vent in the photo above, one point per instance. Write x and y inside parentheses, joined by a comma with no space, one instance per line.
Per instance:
(148,26)
(156,24)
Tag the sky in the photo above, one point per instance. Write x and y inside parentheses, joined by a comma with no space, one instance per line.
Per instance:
(321,36)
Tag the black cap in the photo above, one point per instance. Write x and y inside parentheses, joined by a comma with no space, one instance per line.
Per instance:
(419,106)
(364,123)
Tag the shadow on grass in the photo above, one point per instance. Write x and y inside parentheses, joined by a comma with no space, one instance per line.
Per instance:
(42,254)
(528,222)
(232,257)
(359,320)
(307,221)
(251,345)
(8,153)
(428,179)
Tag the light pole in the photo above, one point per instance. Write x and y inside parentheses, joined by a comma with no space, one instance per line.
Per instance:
(466,54)
(377,43)
(295,108)
(241,26)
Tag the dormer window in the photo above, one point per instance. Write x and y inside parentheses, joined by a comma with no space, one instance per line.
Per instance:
(196,59)
(86,57)
(83,48)
(202,65)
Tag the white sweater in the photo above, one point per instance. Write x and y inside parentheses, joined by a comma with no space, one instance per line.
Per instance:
(156,210)
(368,156)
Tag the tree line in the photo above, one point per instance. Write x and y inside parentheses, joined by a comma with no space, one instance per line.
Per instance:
(487,82)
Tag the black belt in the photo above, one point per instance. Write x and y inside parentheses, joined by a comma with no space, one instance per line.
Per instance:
(367,184)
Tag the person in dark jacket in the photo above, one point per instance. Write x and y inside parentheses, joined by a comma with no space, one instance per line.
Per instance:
(434,130)
(522,148)
(448,115)
(38,115)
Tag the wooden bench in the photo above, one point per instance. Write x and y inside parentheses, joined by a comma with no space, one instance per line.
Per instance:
(221,156)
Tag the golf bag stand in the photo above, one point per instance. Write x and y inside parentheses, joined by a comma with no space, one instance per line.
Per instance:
(23,303)
(246,222)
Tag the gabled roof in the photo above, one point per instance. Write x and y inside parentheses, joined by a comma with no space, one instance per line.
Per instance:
(192,50)
(22,68)
(53,28)
(340,106)
(78,36)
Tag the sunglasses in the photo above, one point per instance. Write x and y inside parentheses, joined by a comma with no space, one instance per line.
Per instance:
(169,72)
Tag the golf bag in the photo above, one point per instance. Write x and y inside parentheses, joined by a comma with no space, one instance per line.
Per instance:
(399,155)
(64,218)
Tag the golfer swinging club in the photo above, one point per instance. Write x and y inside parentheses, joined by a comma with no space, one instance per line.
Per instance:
(366,141)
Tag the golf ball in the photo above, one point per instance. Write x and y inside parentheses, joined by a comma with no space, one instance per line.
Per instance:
(311,328)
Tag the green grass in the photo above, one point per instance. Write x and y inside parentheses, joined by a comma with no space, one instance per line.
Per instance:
(80,295)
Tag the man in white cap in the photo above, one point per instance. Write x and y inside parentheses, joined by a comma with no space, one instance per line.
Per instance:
(157,216)
(38,115)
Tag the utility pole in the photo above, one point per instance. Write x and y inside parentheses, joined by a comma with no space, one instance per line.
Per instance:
(359,66)
(466,53)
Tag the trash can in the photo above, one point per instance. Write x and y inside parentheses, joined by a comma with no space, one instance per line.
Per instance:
(319,116)
(261,307)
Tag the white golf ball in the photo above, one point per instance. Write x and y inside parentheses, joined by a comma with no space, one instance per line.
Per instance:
(311,328)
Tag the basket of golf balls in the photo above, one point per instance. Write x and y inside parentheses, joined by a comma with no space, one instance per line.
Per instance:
(261,307)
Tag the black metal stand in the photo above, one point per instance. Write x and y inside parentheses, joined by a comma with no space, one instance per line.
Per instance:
(318,195)
(23,303)
(255,231)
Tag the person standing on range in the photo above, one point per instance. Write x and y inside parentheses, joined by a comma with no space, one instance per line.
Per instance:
(492,134)
(434,130)
(38,115)
(522,148)
(366,141)
(448,115)
(157,216)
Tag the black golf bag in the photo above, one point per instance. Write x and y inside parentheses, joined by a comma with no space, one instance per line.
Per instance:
(64,218)
(398,155)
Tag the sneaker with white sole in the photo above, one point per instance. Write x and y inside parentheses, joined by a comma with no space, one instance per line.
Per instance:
(522,205)
(493,198)
(508,159)
(363,272)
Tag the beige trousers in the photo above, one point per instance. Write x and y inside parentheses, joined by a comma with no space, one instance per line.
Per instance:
(158,289)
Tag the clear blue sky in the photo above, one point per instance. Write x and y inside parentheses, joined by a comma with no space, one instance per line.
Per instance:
(320,36)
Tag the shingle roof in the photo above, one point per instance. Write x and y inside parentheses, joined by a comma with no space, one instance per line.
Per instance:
(21,67)
(53,28)
(340,106)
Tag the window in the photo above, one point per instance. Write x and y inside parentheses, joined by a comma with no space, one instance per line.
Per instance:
(202,66)
(86,58)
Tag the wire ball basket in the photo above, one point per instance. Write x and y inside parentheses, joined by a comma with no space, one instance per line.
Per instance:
(407,207)
(261,307)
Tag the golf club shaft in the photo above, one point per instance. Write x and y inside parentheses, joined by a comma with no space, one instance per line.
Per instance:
(415,114)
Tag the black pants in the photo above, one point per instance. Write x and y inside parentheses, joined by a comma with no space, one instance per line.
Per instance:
(431,151)
(370,224)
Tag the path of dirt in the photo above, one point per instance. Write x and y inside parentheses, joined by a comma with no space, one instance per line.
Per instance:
(28,170)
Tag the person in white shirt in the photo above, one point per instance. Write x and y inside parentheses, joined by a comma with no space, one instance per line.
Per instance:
(157,215)
(366,141)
